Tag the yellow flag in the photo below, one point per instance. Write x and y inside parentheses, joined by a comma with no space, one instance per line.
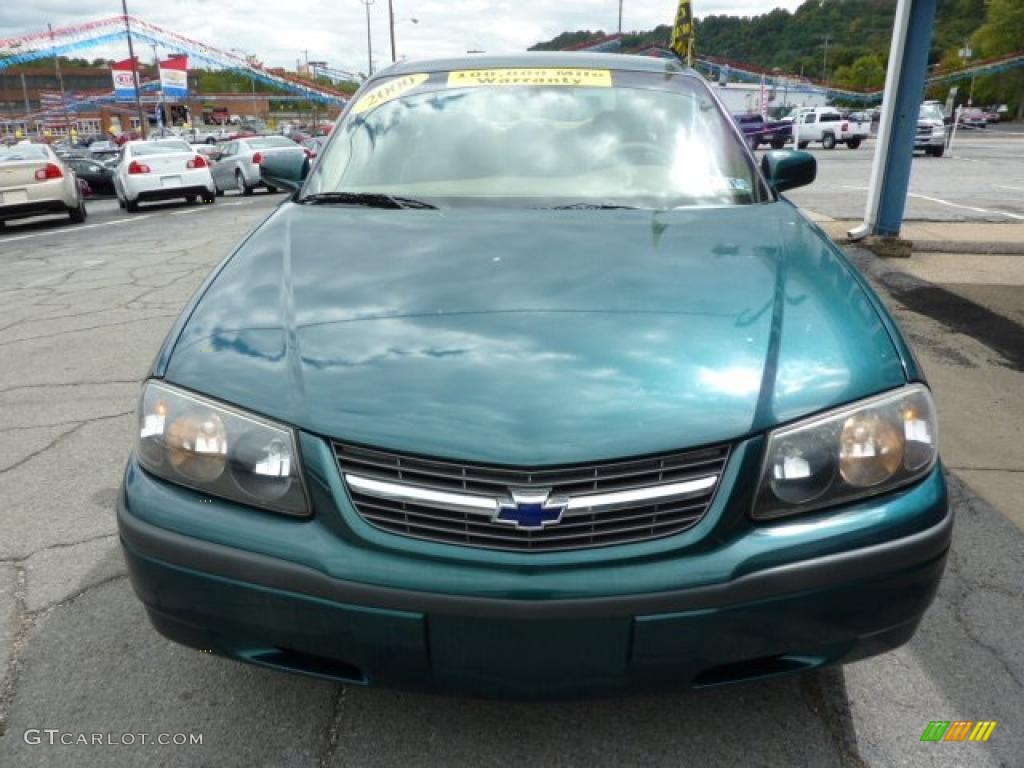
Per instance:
(682,32)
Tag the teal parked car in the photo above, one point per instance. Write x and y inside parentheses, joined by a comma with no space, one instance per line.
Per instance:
(535,386)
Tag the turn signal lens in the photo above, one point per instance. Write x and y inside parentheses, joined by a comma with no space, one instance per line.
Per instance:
(870,450)
(136,167)
(197,445)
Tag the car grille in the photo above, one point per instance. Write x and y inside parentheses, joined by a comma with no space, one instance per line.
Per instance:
(924,131)
(603,524)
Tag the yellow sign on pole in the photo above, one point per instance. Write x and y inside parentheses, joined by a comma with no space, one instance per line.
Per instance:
(683,33)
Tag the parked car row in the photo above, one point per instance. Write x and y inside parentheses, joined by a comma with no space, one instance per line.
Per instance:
(827,126)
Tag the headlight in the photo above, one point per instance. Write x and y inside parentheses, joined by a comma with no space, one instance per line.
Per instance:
(192,441)
(939,131)
(859,450)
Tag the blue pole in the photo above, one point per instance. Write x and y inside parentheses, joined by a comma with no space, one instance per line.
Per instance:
(905,103)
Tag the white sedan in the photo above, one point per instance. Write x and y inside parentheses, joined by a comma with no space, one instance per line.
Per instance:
(34,181)
(161,170)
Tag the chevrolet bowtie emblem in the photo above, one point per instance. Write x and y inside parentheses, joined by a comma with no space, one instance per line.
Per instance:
(529,510)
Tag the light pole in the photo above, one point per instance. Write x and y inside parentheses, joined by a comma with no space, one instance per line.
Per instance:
(620,17)
(135,71)
(161,111)
(824,66)
(391,22)
(967,54)
(369,39)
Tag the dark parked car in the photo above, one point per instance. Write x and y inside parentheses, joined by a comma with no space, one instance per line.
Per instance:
(536,386)
(759,131)
(99,176)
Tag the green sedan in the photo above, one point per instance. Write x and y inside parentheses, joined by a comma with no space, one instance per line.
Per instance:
(535,386)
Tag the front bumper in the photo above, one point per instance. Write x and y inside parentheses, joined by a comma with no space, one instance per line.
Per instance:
(568,630)
(929,141)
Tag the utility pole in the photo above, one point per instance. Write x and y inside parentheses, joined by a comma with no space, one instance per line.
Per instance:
(24,95)
(620,17)
(60,83)
(824,66)
(391,22)
(369,39)
(135,73)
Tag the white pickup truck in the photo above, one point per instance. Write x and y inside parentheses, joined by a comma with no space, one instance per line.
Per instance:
(828,126)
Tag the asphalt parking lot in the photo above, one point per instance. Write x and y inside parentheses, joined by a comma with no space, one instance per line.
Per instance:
(84,310)
(980,179)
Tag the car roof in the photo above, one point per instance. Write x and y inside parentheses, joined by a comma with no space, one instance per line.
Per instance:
(575,59)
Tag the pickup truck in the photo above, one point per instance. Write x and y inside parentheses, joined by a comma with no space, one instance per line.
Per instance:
(828,126)
(759,131)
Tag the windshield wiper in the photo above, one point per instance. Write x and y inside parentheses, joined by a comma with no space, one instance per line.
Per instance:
(369,199)
(592,207)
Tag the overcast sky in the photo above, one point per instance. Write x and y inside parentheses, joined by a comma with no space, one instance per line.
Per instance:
(335,30)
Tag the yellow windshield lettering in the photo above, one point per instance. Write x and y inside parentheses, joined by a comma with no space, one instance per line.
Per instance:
(550,76)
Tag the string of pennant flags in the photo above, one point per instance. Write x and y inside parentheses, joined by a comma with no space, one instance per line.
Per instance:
(73,38)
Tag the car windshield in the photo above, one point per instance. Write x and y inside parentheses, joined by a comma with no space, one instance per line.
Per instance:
(541,138)
(269,142)
(930,112)
(22,152)
(160,148)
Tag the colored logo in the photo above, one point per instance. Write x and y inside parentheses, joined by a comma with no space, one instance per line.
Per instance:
(958,730)
(529,510)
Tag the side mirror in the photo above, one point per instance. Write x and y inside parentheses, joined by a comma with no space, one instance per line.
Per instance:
(789,169)
(287,170)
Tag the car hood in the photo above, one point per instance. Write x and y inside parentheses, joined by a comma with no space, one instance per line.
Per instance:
(534,336)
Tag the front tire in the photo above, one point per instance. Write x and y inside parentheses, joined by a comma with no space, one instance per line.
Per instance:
(853,143)
(828,141)
(272,190)
(779,144)
(803,145)
(936,151)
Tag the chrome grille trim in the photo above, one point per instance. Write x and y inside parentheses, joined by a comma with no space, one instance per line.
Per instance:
(605,503)
(487,506)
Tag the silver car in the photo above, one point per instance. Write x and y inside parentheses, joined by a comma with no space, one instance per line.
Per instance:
(239,164)
(34,181)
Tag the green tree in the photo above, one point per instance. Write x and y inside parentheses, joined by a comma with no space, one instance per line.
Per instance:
(866,73)
(1002,33)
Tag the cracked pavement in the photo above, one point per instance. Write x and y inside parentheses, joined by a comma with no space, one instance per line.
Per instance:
(84,314)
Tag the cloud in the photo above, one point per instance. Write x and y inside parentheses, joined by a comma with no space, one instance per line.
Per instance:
(335,30)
